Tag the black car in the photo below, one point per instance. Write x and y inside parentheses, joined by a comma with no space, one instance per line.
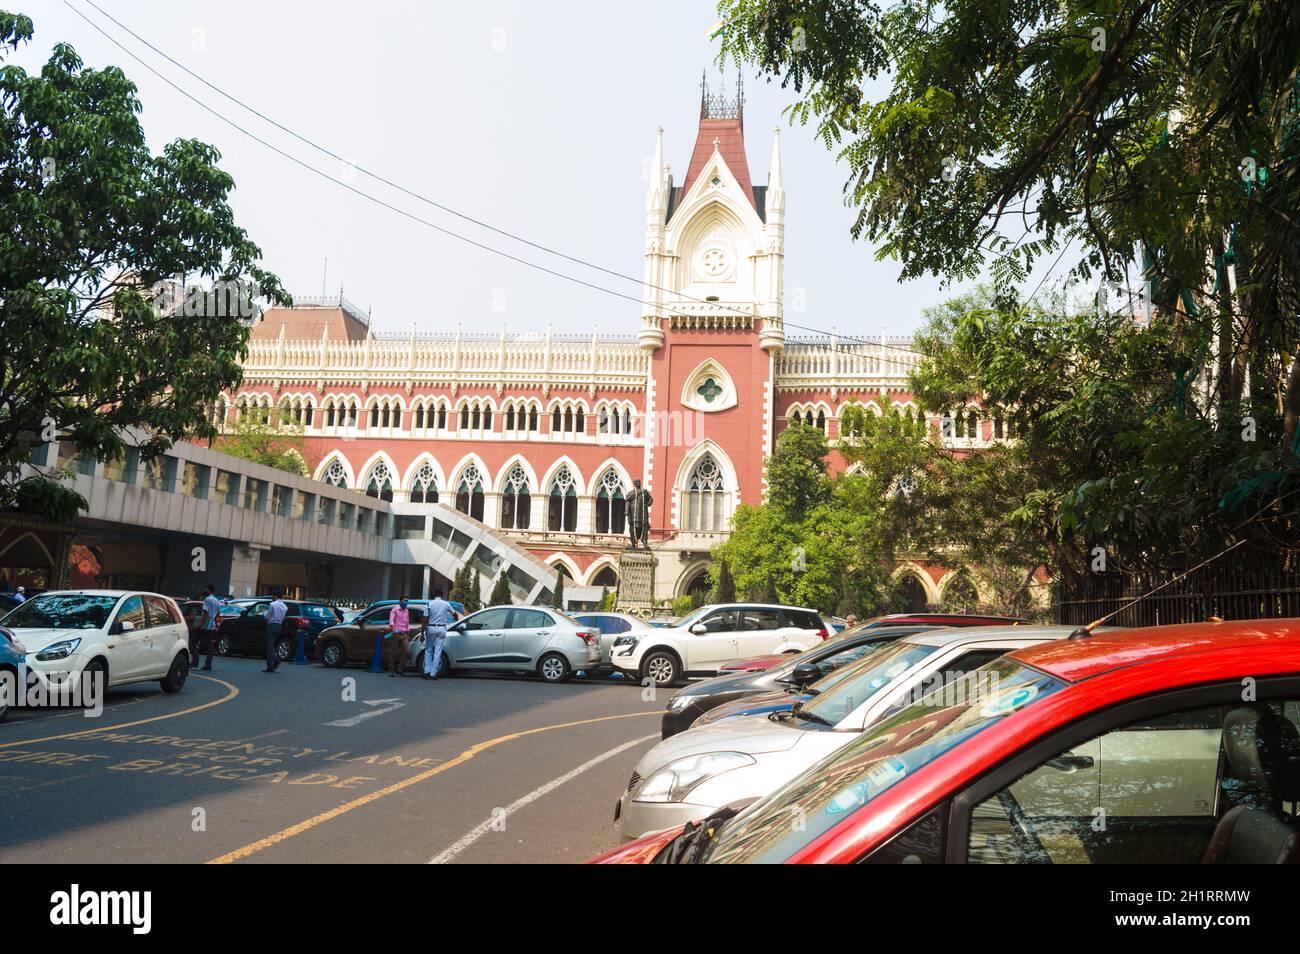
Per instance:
(690,703)
(246,633)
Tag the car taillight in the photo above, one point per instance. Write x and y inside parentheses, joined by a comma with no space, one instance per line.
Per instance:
(296,621)
(591,635)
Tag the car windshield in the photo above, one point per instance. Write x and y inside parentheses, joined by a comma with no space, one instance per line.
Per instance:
(852,776)
(691,618)
(845,689)
(62,611)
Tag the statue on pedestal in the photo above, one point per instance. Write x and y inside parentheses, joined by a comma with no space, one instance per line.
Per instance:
(639,503)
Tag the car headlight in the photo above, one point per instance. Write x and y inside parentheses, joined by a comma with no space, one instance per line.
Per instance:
(59,650)
(627,640)
(674,781)
(676,703)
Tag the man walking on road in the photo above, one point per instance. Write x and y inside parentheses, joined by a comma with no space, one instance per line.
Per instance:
(211,607)
(399,621)
(435,633)
(275,614)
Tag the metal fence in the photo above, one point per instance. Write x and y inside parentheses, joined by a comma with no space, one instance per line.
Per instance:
(1256,586)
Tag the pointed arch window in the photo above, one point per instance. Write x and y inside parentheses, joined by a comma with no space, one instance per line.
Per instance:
(611,507)
(380,484)
(516,500)
(424,486)
(469,492)
(335,475)
(706,500)
(562,506)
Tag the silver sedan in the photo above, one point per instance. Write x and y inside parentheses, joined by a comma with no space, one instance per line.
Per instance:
(517,638)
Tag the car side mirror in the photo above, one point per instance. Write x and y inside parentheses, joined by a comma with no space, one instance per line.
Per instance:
(803,674)
(699,629)
(126,625)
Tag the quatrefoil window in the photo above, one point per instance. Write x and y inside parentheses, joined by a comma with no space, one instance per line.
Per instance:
(709,390)
(714,261)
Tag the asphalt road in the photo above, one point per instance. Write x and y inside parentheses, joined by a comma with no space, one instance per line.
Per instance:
(324,765)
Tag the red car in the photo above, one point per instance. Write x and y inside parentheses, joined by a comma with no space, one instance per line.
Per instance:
(1170,744)
(764,663)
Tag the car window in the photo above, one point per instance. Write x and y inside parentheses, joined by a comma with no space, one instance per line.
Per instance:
(488,619)
(377,616)
(859,682)
(960,675)
(804,620)
(160,611)
(132,611)
(1148,792)
(760,619)
(721,621)
(258,609)
(318,612)
(873,762)
(617,625)
(844,657)
(62,611)
(529,619)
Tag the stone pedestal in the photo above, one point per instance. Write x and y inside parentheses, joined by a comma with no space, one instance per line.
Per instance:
(636,580)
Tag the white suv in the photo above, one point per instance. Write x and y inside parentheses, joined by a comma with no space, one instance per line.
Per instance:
(702,642)
(123,636)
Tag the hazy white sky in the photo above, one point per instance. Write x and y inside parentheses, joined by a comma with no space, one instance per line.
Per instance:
(538,117)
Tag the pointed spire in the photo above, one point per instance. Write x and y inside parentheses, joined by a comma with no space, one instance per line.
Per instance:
(656,199)
(774,175)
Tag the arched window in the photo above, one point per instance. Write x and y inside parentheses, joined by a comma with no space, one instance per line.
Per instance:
(464,417)
(821,421)
(972,424)
(562,508)
(532,418)
(442,417)
(335,475)
(380,483)
(960,596)
(611,512)
(606,577)
(516,501)
(510,417)
(424,486)
(706,500)
(469,492)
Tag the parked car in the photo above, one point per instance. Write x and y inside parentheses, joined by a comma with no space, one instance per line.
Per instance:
(351,643)
(7,602)
(456,605)
(117,636)
(246,633)
(691,775)
(611,626)
(714,635)
(12,670)
(782,683)
(942,619)
(1147,729)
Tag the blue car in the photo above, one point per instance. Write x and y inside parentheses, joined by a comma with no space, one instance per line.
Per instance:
(11,666)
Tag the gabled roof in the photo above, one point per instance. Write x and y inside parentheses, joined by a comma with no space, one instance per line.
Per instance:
(730,136)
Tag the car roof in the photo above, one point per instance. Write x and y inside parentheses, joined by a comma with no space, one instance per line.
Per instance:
(952,635)
(1078,659)
(954,619)
(113,593)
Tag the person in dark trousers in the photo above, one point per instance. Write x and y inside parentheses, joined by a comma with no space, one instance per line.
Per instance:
(399,622)
(275,614)
(208,627)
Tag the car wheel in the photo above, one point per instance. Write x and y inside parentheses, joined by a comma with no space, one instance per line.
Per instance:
(553,667)
(284,649)
(97,672)
(331,654)
(661,667)
(223,645)
(174,681)
(444,667)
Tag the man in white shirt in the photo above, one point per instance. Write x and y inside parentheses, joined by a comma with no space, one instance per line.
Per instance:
(211,610)
(438,614)
(275,614)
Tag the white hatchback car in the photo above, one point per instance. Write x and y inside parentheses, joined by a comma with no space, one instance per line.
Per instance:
(115,636)
(689,776)
(714,635)
(612,626)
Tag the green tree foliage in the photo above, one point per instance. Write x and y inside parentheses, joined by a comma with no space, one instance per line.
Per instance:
(276,442)
(500,595)
(796,472)
(473,589)
(559,590)
(91,225)
(724,587)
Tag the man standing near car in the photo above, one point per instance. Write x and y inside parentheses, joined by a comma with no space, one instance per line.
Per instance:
(207,628)
(275,614)
(435,633)
(399,621)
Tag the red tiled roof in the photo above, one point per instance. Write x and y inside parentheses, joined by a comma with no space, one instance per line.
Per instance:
(308,324)
(730,134)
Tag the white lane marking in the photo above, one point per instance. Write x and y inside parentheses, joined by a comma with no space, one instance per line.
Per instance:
(482,829)
(392,705)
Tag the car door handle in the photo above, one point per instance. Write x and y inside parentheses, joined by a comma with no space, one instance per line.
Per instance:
(1071,763)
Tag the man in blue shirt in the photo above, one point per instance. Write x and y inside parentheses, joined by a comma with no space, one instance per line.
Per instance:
(438,614)
(275,614)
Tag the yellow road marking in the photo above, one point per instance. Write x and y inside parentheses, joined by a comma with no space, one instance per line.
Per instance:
(473,750)
(126,725)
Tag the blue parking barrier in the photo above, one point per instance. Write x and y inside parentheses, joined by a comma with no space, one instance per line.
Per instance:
(300,654)
(376,661)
